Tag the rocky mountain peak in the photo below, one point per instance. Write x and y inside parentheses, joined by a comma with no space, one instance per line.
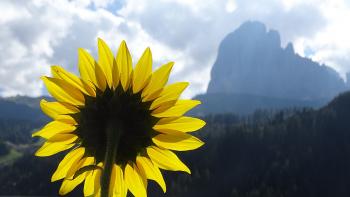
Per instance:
(251,61)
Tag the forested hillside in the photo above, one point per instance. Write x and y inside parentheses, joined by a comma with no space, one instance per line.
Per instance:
(302,152)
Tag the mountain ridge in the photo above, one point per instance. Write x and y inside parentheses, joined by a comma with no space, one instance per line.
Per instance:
(245,104)
(251,60)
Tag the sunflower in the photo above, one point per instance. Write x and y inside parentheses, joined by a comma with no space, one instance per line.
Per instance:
(118,125)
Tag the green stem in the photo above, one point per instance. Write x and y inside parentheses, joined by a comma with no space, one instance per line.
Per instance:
(113,133)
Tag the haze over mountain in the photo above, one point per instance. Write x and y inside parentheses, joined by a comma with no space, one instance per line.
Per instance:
(251,61)
(253,71)
(21,108)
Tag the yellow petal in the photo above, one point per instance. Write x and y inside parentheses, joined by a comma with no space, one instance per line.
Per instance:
(49,148)
(183,124)
(63,91)
(60,73)
(92,182)
(53,128)
(55,109)
(68,119)
(178,141)
(97,185)
(115,75)
(106,61)
(86,64)
(170,93)
(98,194)
(124,63)
(179,109)
(134,181)
(100,78)
(158,80)
(142,71)
(166,159)
(165,106)
(69,184)
(70,159)
(89,184)
(90,70)
(120,188)
(85,161)
(63,137)
(151,171)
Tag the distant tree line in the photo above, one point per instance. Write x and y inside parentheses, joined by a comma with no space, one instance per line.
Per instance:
(18,131)
(3,148)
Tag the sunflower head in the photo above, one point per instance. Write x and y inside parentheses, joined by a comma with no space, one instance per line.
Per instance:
(119,124)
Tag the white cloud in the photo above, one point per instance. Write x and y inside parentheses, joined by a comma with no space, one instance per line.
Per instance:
(41,34)
(231,6)
(37,33)
(332,45)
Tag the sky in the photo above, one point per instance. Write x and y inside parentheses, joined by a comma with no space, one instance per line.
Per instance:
(35,34)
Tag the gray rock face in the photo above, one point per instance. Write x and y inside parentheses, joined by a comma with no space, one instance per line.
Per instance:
(251,61)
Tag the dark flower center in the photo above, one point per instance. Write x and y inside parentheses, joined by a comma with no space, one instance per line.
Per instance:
(122,108)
